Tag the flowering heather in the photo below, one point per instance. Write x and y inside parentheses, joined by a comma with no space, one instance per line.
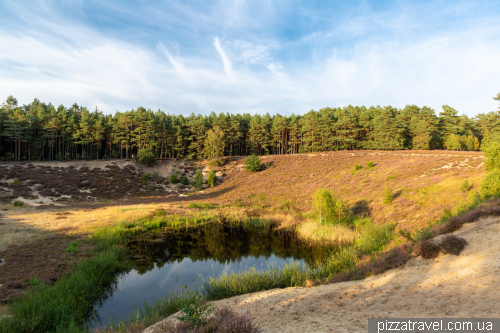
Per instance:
(426,182)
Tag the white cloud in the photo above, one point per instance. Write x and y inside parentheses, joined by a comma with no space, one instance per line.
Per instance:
(60,62)
(225,59)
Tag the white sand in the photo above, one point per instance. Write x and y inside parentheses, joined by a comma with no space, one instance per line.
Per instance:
(448,286)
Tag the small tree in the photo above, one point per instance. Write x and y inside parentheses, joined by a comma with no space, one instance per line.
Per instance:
(146,156)
(214,145)
(330,209)
(211,179)
(388,196)
(252,163)
(174,179)
(198,180)
(184,180)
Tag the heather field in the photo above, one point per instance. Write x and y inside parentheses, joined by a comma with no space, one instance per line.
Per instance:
(424,183)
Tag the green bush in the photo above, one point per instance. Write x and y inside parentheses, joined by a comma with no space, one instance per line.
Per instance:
(198,180)
(330,209)
(490,186)
(193,309)
(146,156)
(357,167)
(184,180)
(388,196)
(18,203)
(211,179)
(374,237)
(146,177)
(16,181)
(216,162)
(465,186)
(174,179)
(492,153)
(252,163)
(72,247)
(370,164)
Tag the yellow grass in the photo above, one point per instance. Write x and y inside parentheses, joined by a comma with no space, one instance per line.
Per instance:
(314,231)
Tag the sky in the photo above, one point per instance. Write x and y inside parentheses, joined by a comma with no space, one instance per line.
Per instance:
(251,56)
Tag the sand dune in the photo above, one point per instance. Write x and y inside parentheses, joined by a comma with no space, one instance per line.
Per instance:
(448,286)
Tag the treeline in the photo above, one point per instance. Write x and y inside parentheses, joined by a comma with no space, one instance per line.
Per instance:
(40,131)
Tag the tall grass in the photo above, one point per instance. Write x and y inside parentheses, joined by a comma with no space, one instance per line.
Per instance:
(66,304)
(314,231)
(372,238)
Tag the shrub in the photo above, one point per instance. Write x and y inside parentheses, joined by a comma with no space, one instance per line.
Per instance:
(357,167)
(198,180)
(330,209)
(155,175)
(211,179)
(252,163)
(174,179)
(452,244)
(465,186)
(388,196)
(427,249)
(216,162)
(224,320)
(490,186)
(146,156)
(374,237)
(193,310)
(370,164)
(184,180)
(492,153)
(18,203)
(72,247)
(16,181)
(146,177)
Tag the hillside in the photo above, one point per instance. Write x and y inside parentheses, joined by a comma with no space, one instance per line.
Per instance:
(424,183)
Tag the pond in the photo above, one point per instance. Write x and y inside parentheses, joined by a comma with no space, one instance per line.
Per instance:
(167,259)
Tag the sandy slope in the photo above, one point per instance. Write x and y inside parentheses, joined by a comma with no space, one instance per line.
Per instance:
(448,286)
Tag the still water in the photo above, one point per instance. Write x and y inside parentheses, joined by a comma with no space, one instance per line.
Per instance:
(165,260)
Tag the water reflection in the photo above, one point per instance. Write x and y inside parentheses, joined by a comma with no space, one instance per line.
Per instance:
(166,259)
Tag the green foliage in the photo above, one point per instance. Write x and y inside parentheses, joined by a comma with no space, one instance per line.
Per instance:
(65,305)
(193,308)
(465,186)
(17,181)
(18,203)
(491,184)
(155,175)
(388,196)
(203,206)
(174,179)
(374,238)
(72,247)
(198,180)
(329,209)
(357,167)
(216,162)
(211,179)
(146,156)
(184,180)
(461,142)
(370,164)
(146,177)
(214,143)
(252,163)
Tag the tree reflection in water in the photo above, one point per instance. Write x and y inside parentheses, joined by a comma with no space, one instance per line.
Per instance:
(223,243)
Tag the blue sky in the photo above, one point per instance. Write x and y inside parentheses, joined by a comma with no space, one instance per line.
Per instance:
(251,56)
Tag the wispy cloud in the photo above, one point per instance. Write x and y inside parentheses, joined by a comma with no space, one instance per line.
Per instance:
(249,56)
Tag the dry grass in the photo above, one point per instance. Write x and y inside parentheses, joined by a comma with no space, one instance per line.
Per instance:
(313,231)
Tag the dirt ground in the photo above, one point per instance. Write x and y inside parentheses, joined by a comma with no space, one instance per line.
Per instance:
(462,286)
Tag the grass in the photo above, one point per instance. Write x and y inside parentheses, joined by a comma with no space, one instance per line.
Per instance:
(65,305)
(373,238)
(18,203)
(311,230)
